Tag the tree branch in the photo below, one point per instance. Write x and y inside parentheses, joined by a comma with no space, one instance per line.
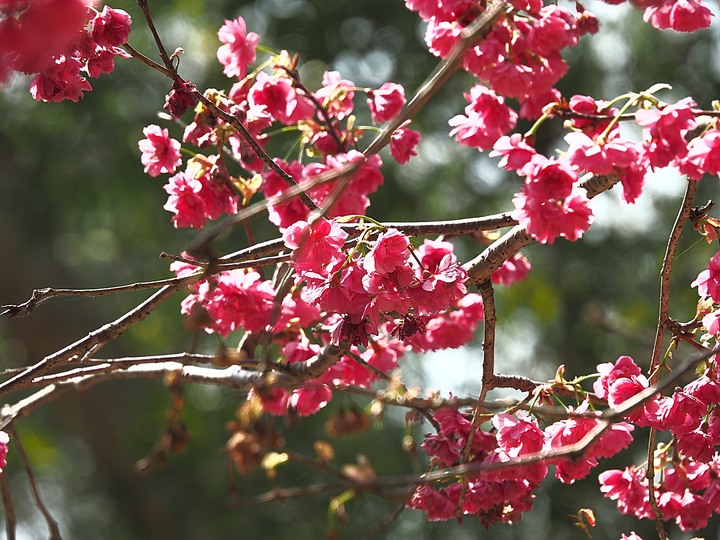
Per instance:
(663,317)
(90,342)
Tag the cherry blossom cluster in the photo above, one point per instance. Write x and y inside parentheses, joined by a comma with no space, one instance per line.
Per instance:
(63,41)
(264,100)
(688,467)
(502,495)
(370,289)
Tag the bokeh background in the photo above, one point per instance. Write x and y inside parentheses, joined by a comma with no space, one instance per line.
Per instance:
(77,211)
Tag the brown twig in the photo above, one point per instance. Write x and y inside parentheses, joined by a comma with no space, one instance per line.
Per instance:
(10,519)
(663,316)
(40,296)
(90,342)
(53,528)
(143,5)
(488,375)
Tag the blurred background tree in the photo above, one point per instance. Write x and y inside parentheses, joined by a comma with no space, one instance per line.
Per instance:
(77,211)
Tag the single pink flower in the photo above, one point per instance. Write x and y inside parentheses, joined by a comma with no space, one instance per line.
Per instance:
(310,398)
(160,153)
(238,49)
(111,27)
(280,99)
(317,246)
(386,102)
(391,250)
(708,281)
(486,119)
(403,143)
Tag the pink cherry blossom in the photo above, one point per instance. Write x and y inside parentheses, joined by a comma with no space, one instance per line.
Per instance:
(386,102)
(553,31)
(60,80)
(280,99)
(403,143)
(111,27)
(160,153)
(624,367)
(486,119)
(185,201)
(517,436)
(696,512)
(4,440)
(39,32)
(515,153)
(286,213)
(547,219)
(336,95)
(194,198)
(629,488)
(274,400)
(389,252)
(310,398)
(703,156)
(317,246)
(708,281)
(442,36)
(665,130)
(515,269)
(680,15)
(238,49)
(240,300)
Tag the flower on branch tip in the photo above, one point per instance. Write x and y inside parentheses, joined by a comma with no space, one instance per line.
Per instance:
(238,49)
(160,152)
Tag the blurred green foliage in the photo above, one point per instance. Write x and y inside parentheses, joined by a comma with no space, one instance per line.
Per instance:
(77,211)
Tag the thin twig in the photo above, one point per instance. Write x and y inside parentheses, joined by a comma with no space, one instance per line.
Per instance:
(663,316)
(95,338)
(40,296)
(143,5)
(137,55)
(10,519)
(53,528)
